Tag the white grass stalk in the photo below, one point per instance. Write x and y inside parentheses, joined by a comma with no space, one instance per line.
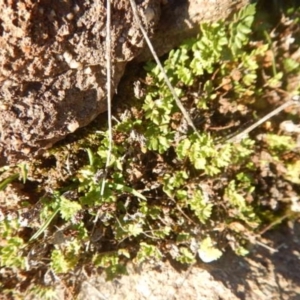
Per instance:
(237,138)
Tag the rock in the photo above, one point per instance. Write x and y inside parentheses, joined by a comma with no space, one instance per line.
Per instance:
(53,69)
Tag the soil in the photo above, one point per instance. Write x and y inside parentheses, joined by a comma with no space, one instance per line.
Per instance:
(261,275)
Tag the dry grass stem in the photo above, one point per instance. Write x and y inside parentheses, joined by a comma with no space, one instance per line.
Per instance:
(167,81)
(237,138)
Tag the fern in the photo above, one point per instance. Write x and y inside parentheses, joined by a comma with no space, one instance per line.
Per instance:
(240,28)
(200,206)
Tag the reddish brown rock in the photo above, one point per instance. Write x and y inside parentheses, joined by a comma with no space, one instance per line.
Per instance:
(52,56)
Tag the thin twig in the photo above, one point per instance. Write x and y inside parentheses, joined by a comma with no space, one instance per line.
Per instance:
(108,88)
(109,95)
(266,247)
(274,223)
(166,79)
(237,138)
(181,211)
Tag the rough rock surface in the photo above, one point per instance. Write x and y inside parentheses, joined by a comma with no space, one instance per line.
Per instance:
(52,61)
(261,275)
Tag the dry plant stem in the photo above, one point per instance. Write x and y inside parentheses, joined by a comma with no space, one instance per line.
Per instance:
(181,211)
(254,240)
(237,138)
(167,81)
(272,250)
(109,95)
(108,87)
(274,223)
